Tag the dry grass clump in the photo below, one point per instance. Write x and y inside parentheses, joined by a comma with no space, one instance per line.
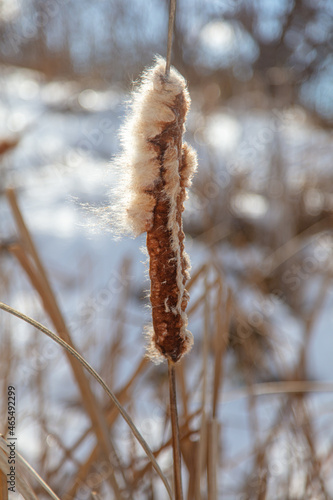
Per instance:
(237,381)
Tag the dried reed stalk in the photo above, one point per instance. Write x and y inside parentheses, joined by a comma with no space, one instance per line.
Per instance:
(28,257)
(23,468)
(157,168)
(212,458)
(222,322)
(85,467)
(175,433)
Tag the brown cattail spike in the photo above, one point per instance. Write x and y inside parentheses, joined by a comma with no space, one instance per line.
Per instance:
(169,264)
(161,168)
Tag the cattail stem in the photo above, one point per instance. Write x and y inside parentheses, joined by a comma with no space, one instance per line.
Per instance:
(172,12)
(175,433)
(158,168)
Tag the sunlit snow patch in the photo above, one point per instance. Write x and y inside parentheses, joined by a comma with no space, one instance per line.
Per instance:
(250,204)
(223,132)
(222,43)
(93,100)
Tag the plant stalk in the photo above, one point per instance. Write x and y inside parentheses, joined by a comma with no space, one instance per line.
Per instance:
(175,433)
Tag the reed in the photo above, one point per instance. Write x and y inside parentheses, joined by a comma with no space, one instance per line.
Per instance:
(157,170)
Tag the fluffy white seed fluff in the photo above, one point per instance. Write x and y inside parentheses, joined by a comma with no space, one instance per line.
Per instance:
(138,165)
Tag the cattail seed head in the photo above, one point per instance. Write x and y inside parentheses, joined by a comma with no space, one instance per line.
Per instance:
(159,168)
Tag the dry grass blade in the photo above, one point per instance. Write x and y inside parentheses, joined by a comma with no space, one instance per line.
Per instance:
(25,465)
(3,486)
(310,321)
(201,455)
(26,237)
(201,300)
(205,346)
(303,417)
(202,447)
(97,377)
(221,341)
(212,462)
(29,259)
(294,245)
(196,275)
(111,417)
(21,485)
(184,435)
(288,387)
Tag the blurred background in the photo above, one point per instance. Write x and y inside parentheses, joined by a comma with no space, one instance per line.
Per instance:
(254,394)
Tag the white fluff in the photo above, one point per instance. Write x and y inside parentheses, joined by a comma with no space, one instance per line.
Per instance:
(138,165)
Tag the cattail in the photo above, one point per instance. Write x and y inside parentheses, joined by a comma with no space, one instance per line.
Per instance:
(157,168)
